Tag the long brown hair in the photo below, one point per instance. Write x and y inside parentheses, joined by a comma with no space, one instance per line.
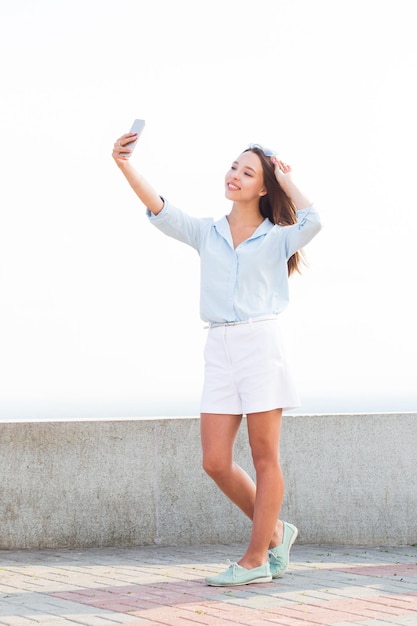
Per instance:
(276,205)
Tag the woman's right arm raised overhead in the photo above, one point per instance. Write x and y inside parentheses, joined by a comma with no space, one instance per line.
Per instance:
(140,186)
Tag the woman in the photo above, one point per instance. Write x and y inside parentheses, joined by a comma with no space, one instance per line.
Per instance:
(246,258)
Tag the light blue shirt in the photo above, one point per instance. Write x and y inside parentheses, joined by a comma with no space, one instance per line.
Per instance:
(245,282)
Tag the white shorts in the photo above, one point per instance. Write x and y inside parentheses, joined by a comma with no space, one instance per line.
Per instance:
(246,369)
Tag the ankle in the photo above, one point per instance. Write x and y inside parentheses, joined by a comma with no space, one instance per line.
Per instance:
(278,536)
(250,562)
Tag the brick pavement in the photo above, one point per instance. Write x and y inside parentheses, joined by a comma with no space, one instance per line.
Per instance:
(154,586)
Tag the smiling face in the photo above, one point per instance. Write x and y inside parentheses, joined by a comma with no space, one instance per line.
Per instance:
(244,181)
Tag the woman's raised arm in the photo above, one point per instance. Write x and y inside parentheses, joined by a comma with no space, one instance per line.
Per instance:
(145,192)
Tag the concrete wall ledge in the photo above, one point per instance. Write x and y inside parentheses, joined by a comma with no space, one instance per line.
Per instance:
(350,479)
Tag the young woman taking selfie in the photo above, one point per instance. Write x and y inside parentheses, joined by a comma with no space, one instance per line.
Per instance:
(246,258)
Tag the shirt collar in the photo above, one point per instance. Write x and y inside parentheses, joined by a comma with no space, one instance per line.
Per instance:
(223,228)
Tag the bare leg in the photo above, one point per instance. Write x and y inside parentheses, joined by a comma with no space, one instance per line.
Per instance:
(264,435)
(218,434)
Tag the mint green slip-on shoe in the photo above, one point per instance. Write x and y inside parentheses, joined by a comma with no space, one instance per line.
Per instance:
(279,557)
(238,575)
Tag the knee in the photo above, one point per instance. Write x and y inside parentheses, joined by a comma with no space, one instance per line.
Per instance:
(216,467)
(266,462)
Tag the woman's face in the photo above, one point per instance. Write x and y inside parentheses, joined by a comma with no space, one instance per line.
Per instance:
(244,182)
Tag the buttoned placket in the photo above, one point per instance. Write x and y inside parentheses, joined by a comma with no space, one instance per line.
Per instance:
(222,227)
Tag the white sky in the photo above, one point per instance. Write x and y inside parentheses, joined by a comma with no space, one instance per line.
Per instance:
(99,311)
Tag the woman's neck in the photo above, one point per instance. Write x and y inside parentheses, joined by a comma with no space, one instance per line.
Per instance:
(245,214)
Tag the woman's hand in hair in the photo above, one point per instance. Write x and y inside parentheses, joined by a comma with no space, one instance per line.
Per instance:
(282,170)
(283,174)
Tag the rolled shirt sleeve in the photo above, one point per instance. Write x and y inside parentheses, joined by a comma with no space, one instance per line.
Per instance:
(179,225)
(300,234)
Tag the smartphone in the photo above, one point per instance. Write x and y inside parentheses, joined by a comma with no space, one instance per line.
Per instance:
(137,127)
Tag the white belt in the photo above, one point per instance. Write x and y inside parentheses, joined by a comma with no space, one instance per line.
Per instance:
(251,320)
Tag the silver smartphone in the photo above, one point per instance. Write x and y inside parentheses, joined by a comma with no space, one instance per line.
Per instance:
(137,127)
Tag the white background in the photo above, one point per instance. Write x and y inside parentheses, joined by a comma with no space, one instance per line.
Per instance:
(99,311)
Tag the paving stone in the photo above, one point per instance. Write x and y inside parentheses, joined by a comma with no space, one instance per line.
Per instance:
(156,586)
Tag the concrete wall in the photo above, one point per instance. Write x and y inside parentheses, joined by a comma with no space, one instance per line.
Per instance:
(350,479)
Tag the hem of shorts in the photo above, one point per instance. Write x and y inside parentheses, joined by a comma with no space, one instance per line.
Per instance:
(223,412)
